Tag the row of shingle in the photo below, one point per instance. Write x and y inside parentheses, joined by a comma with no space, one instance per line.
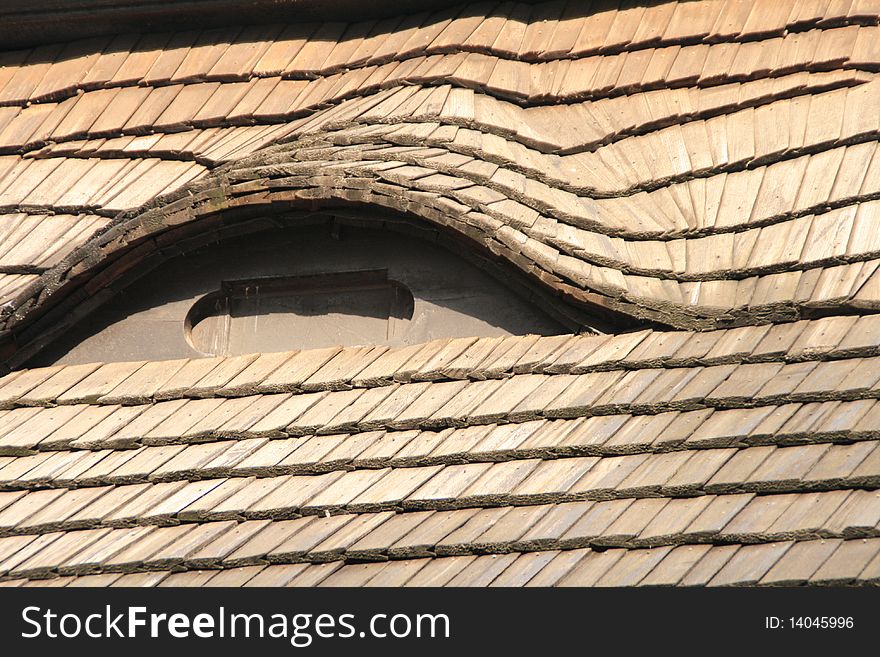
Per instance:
(543,128)
(490,162)
(676,66)
(211,146)
(718,203)
(338,368)
(831,562)
(704,204)
(633,437)
(92,178)
(523,481)
(40,241)
(433,406)
(731,141)
(108,111)
(110,185)
(12,284)
(236,54)
(135,110)
(605,120)
(378,536)
(818,562)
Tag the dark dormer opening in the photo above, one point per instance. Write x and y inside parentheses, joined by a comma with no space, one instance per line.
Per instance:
(279,313)
(312,282)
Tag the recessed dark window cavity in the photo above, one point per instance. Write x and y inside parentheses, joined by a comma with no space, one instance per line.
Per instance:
(277,313)
(305,287)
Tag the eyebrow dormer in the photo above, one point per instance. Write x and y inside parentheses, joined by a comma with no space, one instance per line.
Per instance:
(324,285)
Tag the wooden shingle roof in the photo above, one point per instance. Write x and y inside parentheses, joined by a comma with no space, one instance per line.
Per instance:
(708,167)
(729,457)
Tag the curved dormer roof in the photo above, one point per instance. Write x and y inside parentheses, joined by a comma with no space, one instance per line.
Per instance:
(669,176)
